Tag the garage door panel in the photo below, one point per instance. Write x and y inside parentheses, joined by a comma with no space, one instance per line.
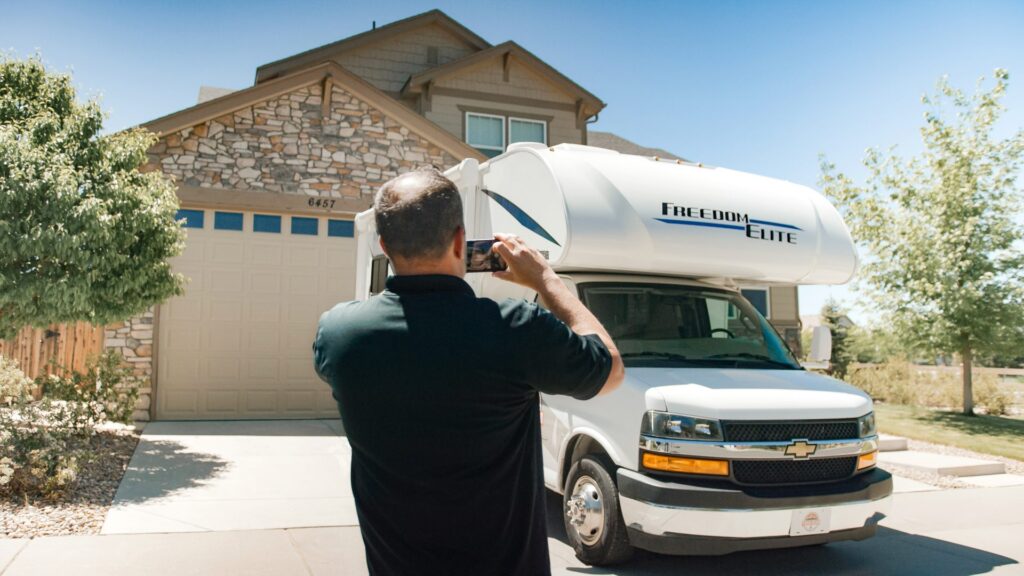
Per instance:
(300,401)
(222,251)
(221,370)
(225,401)
(224,310)
(238,343)
(224,337)
(264,282)
(224,281)
(261,401)
(266,310)
(341,255)
(264,254)
(181,401)
(264,338)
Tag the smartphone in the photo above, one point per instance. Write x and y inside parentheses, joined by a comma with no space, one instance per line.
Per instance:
(480,257)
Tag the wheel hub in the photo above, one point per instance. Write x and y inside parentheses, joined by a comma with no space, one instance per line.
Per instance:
(585,510)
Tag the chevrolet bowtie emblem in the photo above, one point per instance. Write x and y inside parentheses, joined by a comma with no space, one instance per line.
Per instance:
(800,449)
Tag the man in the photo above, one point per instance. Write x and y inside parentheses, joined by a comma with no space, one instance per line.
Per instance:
(438,392)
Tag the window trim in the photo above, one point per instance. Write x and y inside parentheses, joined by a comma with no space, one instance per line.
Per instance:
(504,129)
(543,123)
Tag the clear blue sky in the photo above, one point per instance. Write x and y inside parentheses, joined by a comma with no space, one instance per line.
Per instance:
(756,85)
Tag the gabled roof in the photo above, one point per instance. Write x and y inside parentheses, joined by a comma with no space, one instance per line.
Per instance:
(338,75)
(590,104)
(329,51)
(619,144)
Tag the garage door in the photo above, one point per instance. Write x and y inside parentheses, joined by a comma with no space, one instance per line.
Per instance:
(237,344)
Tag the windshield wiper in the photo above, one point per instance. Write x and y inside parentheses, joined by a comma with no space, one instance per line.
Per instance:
(665,355)
(752,357)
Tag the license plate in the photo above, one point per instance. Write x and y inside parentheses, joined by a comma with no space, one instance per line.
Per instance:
(809,521)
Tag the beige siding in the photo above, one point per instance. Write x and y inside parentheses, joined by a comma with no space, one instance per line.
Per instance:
(445,111)
(784,305)
(389,63)
(489,77)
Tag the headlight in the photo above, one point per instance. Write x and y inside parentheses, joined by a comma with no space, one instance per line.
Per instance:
(866,425)
(665,425)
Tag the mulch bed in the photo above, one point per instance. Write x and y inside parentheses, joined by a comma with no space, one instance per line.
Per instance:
(82,509)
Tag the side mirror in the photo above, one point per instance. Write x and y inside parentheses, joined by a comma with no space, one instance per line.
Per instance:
(821,344)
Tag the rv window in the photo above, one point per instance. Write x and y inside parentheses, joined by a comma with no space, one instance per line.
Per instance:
(658,323)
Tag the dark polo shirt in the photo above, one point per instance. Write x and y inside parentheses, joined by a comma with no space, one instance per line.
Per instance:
(437,391)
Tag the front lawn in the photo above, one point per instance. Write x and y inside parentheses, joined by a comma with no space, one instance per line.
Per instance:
(987,434)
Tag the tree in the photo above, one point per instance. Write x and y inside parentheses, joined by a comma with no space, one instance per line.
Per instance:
(84,236)
(833,316)
(942,229)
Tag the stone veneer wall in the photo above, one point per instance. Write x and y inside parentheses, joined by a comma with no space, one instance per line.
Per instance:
(280,146)
(133,338)
(285,145)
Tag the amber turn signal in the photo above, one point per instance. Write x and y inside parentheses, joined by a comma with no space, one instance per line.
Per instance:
(685,465)
(867,460)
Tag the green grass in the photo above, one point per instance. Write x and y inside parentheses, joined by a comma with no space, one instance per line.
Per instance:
(986,434)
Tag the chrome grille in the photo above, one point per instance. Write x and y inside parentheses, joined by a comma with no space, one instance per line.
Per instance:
(768,472)
(741,431)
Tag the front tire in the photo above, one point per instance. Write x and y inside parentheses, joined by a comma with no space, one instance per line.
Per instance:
(593,520)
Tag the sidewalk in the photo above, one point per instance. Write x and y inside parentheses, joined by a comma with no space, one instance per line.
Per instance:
(299,551)
(941,533)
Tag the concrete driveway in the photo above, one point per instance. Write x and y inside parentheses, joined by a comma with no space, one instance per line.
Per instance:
(250,475)
(273,498)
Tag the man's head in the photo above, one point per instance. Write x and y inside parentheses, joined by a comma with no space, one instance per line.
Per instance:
(419,219)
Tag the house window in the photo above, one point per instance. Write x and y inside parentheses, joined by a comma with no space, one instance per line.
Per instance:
(266,223)
(486,133)
(227,220)
(193,218)
(305,226)
(523,130)
(758,297)
(341,228)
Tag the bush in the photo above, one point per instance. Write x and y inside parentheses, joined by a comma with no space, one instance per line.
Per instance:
(39,451)
(898,382)
(43,442)
(14,385)
(106,390)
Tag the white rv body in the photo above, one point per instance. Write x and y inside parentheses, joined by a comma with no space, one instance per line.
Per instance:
(610,219)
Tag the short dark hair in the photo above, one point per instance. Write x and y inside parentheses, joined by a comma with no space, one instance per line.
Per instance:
(420,223)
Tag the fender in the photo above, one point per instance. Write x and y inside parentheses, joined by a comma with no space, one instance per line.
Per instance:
(570,440)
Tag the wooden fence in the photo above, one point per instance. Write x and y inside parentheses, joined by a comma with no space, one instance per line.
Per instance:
(67,345)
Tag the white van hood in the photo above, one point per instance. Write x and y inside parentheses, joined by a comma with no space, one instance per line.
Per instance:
(735,394)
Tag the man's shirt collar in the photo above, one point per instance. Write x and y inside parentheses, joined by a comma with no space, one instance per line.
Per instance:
(407,284)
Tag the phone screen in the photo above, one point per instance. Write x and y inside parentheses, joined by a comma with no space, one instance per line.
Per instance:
(480,258)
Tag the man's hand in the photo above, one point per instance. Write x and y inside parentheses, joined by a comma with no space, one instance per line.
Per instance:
(529,268)
(526,266)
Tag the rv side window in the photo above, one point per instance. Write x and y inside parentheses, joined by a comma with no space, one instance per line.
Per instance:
(378,274)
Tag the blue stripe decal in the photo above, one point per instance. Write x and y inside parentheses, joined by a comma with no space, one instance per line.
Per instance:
(707,224)
(767,223)
(521,217)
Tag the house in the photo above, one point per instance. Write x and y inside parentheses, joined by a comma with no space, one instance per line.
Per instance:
(270,177)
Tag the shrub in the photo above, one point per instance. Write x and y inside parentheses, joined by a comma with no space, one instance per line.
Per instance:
(898,382)
(989,394)
(14,385)
(39,454)
(106,390)
(43,442)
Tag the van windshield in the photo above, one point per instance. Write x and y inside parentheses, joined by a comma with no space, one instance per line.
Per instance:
(659,324)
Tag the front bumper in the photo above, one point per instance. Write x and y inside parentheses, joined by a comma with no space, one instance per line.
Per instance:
(710,518)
